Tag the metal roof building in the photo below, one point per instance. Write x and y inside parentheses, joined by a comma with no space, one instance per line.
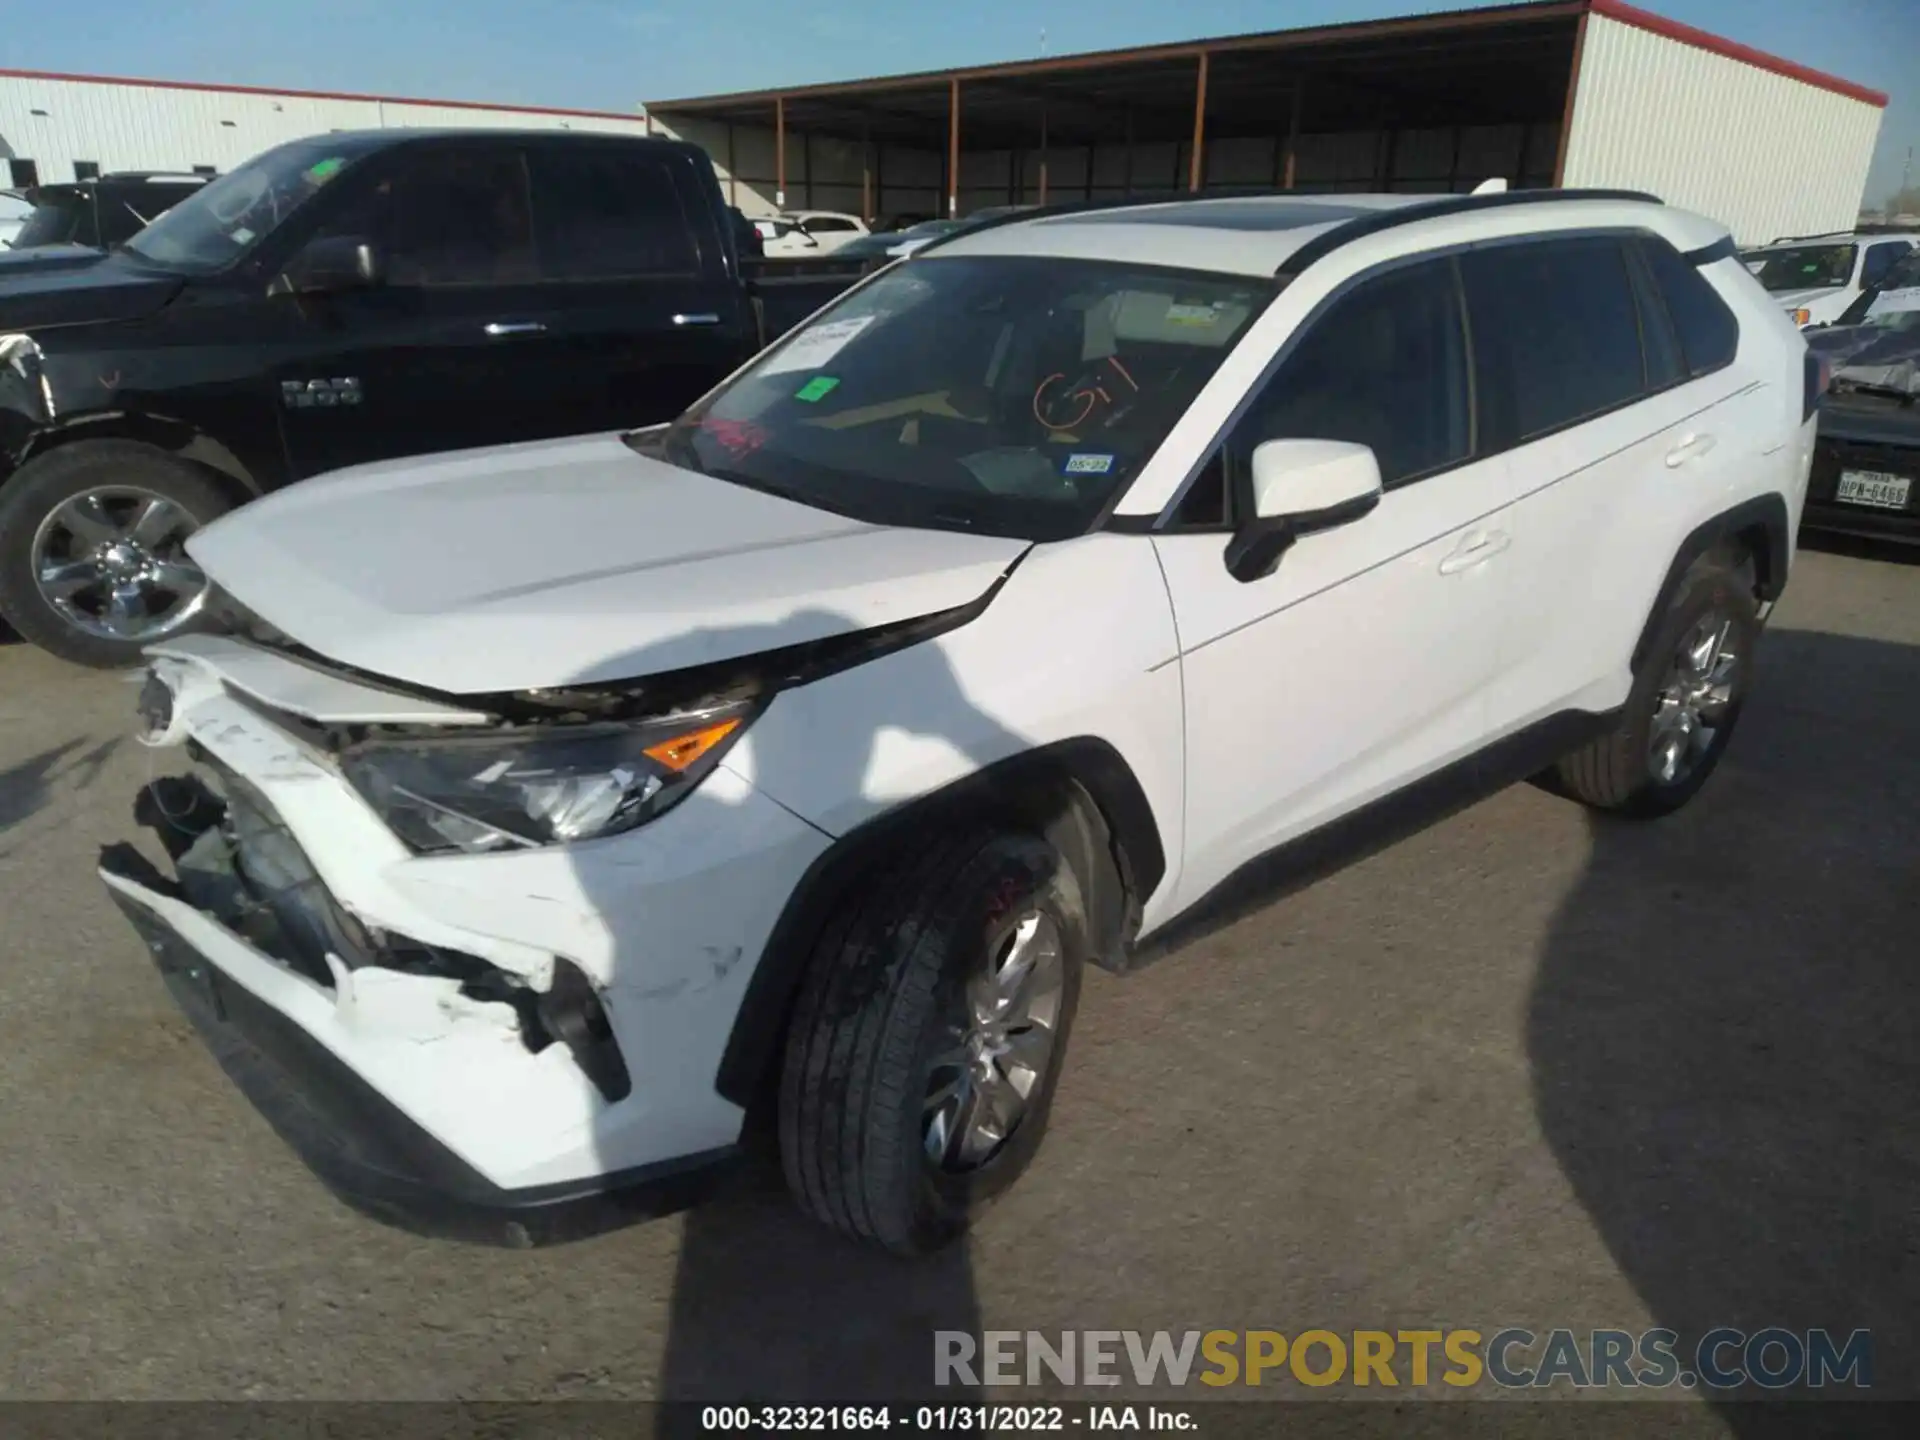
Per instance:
(1559,92)
(65,127)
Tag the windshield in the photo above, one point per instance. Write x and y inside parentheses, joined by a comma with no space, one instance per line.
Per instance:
(1803,267)
(1010,395)
(217,224)
(56,220)
(1905,274)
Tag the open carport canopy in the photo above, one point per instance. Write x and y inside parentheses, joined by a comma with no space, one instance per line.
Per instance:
(1507,67)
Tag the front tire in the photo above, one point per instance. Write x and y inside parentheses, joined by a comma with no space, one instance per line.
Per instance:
(928,1036)
(1686,700)
(93,561)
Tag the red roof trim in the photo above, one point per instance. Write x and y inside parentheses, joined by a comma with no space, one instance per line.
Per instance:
(318,95)
(1701,39)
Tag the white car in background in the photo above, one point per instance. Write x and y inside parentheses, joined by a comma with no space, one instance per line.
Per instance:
(1815,278)
(809,233)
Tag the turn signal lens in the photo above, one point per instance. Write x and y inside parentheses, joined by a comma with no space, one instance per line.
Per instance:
(1800,317)
(683,750)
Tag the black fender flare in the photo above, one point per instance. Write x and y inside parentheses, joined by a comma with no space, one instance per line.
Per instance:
(1080,794)
(162,432)
(1761,524)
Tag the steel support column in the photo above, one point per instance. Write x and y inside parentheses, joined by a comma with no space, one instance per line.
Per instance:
(1043,153)
(953,148)
(780,152)
(1197,167)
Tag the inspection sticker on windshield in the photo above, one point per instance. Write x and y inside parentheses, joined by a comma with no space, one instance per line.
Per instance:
(325,169)
(814,347)
(816,389)
(1089,464)
(1192,314)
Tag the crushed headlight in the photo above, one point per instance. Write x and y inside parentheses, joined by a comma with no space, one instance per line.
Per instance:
(539,787)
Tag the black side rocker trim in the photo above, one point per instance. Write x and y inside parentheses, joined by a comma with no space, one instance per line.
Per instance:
(361,1146)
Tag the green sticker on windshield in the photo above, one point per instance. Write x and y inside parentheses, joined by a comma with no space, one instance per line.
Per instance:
(322,170)
(816,389)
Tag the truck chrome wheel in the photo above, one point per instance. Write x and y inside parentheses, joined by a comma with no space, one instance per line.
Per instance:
(978,1090)
(113,563)
(1692,705)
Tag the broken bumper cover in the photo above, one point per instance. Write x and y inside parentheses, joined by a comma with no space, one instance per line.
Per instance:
(412,1024)
(359,1144)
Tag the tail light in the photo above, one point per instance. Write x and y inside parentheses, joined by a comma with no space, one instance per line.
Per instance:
(1818,374)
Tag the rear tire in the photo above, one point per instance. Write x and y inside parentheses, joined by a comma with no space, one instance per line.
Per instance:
(908,1041)
(1686,699)
(145,585)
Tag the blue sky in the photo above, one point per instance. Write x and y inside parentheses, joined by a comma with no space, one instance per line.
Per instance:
(611,54)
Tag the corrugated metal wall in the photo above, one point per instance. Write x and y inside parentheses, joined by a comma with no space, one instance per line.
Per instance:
(151,127)
(1765,154)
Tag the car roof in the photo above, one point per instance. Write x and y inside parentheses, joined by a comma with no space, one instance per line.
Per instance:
(1838,237)
(1261,234)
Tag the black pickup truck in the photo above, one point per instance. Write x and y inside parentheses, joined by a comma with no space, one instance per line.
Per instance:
(347,298)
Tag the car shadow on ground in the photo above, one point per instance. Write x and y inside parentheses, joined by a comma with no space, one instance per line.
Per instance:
(1722,1028)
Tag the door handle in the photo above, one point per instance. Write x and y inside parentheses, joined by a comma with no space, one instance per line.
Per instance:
(1478,548)
(1691,447)
(497,328)
(705,317)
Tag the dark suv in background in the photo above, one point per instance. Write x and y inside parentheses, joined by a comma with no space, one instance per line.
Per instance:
(348,298)
(103,211)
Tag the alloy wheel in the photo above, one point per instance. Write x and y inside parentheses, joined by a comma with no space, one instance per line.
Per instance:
(981,1086)
(1693,705)
(112,562)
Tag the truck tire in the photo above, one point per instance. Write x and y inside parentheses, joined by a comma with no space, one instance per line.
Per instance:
(928,1036)
(1686,699)
(93,564)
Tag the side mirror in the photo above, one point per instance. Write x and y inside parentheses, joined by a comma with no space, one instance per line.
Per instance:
(328,265)
(1299,487)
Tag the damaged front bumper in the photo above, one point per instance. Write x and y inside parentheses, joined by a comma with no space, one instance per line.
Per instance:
(513,1048)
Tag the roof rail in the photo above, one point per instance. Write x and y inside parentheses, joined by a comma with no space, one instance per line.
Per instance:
(1373,223)
(1083,207)
(1817,235)
(1316,248)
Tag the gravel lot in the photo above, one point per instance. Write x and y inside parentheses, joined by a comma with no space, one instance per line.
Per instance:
(1524,1068)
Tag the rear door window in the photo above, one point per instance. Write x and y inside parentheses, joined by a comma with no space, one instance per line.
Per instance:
(1665,365)
(1556,334)
(1709,334)
(603,213)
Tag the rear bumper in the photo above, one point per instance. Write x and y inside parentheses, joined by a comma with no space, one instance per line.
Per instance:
(362,1146)
(1829,517)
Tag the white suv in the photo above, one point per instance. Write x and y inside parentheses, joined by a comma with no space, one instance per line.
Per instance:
(809,232)
(1817,279)
(559,806)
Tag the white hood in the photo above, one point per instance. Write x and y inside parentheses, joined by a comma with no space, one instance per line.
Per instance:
(569,562)
(1820,300)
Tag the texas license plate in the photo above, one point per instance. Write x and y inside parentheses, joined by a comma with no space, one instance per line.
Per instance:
(1872,487)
